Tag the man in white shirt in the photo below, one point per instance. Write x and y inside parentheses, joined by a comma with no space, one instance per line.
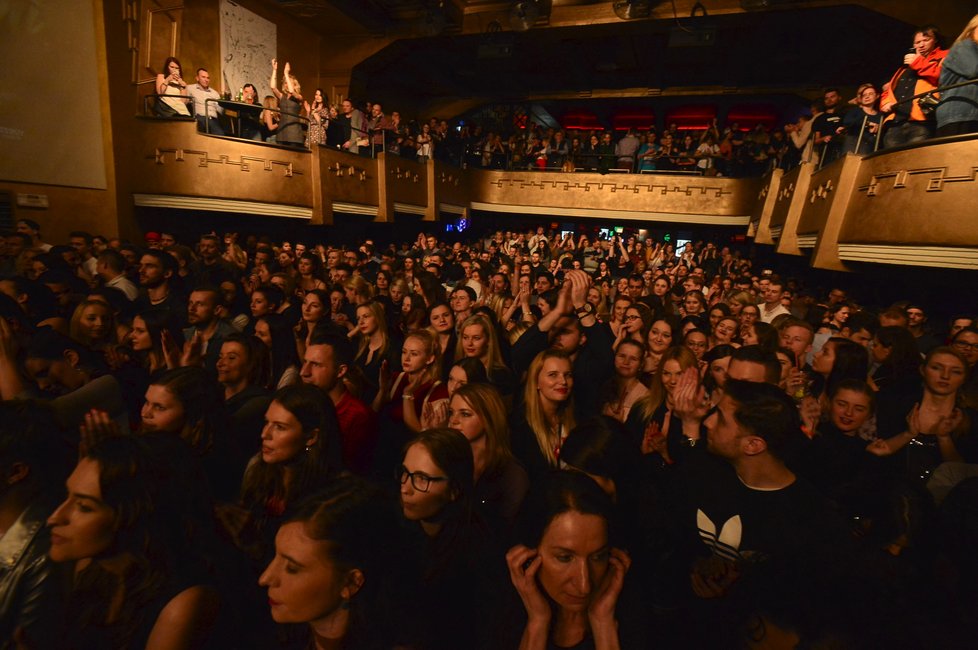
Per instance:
(111,268)
(772,307)
(206,111)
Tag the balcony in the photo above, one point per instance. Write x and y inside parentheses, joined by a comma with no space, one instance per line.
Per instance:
(908,206)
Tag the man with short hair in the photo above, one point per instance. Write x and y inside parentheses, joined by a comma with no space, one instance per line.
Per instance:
(81,241)
(825,128)
(741,504)
(354,127)
(860,327)
(327,360)
(543,283)
(208,329)
(771,308)
(206,107)
(249,117)
(167,240)
(32,229)
(111,268)
(461,303)
(210,268)
(156,270)
(917,319)
(754,363)
(379,126)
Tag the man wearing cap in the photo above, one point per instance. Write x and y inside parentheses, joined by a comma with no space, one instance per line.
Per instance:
(153,240)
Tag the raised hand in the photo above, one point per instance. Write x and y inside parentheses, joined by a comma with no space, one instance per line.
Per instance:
(524,563)
(689,399)
(192,351)
(97,426)
(601,609)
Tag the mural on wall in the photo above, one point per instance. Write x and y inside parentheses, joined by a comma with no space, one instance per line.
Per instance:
(247,48)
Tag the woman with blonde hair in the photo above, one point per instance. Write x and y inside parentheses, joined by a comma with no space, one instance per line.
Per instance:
(290,103)
(545,418)
(404,398)
(270,119)
(358,290)
(477,410)
(654,423)
(375,347)
(93,325)
(478,339)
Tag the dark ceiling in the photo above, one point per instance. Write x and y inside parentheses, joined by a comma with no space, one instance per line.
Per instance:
(795,51)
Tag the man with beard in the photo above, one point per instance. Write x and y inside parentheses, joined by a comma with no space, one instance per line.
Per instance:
(156,291)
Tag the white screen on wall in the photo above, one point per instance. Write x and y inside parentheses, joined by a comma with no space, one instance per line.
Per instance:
(247,49)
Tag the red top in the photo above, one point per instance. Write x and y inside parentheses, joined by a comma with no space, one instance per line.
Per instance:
(358,433)
(431,391)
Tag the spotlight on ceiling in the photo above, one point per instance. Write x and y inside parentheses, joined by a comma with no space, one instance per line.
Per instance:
(525,13)
(633,9)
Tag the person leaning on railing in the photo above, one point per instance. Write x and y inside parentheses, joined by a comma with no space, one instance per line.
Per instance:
(170,82)
(958,111)
(907,121)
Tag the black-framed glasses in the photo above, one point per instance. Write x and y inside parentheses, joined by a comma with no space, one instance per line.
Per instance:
(419,480)
(964,345)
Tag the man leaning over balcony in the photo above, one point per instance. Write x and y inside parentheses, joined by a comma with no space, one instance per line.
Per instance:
(206,111)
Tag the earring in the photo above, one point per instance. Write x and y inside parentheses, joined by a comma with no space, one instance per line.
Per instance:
(307,447)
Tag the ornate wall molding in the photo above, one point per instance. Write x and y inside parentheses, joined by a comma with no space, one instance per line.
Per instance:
(244,163)
(663,189)
(938,178)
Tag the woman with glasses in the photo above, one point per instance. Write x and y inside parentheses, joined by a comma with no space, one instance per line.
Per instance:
(453,580)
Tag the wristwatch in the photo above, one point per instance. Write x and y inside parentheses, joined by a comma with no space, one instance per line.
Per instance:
(584,310)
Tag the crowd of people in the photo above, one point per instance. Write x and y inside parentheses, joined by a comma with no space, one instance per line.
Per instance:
(881,115)
(526,439)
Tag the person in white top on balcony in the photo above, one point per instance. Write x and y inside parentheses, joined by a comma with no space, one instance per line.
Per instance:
(170,82)
(206,111)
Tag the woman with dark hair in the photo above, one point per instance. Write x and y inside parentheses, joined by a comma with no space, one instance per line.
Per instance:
(456,582)
(299,453)
(318,119)
(441,320)
(429,287)
(838,453)
(156,335)
(598,447)
(567,571)
(315,309)
(478,411)
(188,402)
(760,333)
(662,335)
(243,370)
(626,387)
(310,272)
(717,360)
(838,359)
(332,563)
(275,331)
(129,527)
(895,350)
(170,82)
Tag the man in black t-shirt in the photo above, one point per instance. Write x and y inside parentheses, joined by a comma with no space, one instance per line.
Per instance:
(825,128)
(740,505)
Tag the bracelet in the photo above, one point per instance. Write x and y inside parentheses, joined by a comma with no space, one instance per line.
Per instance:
(407,396)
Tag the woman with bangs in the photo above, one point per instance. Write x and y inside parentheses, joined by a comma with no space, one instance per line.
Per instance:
(545,417)
(655,425)
(478,411)
(660,338)
(478,340)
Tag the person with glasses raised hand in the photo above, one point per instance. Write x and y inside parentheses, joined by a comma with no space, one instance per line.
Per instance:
(455,568)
